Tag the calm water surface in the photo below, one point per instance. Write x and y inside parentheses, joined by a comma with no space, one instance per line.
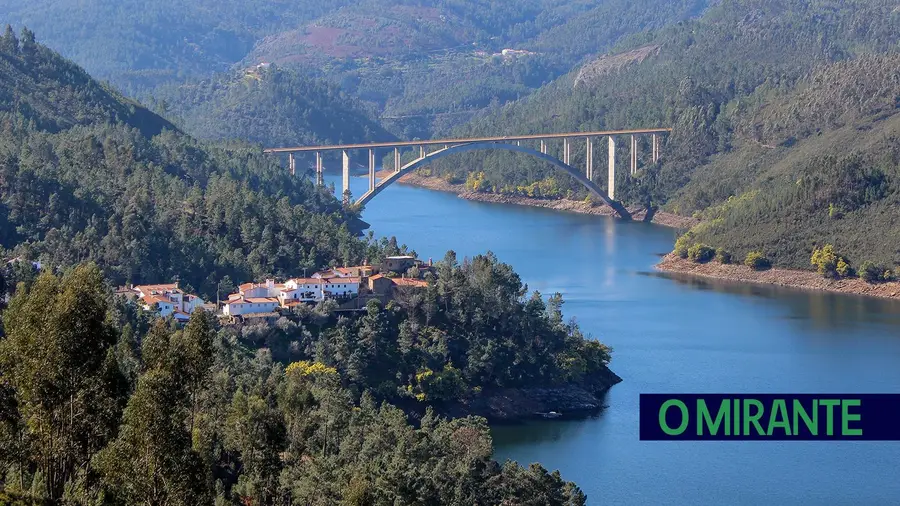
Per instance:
(674,335)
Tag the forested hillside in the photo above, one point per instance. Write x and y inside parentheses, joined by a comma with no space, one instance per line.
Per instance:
(269,106)
(763,95)
(103,402)
(82,179)
(424,67)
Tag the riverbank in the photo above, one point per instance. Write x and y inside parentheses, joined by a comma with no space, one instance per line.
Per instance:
(514,405)
(565,205)
(806,280)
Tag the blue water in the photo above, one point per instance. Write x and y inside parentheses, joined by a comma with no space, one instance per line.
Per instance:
(673,334)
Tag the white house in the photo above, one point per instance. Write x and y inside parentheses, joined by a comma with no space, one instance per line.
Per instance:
(251,305)
(302,290)
(340,287)
(269,289)
(169,298)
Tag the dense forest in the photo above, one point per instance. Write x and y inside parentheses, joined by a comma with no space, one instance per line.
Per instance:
(81,180)
(271,106)
(790,107)
(101,405)
(102,402)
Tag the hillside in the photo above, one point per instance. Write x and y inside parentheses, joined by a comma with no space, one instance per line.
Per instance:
(88,175)
(104,402)
(270,106)
(423,67)
(759,93)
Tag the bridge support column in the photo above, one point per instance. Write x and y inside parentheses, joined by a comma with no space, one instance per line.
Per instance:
(371,169)
(655,148)
(320,172)
(566,151)
(346,174)
(543,147)
(589,159)
(611,187)
(634,155)
(396,159)
(292,164)
(421,151)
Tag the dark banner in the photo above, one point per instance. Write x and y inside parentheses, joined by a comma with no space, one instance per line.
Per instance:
(772,417)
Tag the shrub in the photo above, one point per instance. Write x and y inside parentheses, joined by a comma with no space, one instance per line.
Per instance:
(757,261)
(843,268)
(724,256)
(826,261)
(701,253)
(871,272)
(681,246)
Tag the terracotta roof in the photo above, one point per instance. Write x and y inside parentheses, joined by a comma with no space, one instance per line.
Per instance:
(304,281)
(152,299)
(377,276)
(419,283)
(343,281)
(147,289)
(261,300)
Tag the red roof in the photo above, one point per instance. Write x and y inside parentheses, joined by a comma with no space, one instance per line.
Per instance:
(418,283)
(341,281)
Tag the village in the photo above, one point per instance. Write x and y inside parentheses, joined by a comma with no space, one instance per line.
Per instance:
(351,288)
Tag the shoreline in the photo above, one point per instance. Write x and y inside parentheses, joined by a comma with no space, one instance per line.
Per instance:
(789,278)
(572,206)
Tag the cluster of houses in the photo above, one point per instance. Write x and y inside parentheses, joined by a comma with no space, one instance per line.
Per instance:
(341,284)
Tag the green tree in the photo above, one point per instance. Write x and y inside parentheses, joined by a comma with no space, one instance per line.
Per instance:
(58,357)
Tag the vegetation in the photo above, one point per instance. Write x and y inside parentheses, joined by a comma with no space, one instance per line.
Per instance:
(757,261)
(701,253)
(269,106)
(84,182)
(100,404)
(790,106)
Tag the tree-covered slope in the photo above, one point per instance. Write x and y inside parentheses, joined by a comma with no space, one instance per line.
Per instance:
(754,88)
(55,94)
(270,106)
(146,209)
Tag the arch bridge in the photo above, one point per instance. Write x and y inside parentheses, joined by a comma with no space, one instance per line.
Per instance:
(538,145)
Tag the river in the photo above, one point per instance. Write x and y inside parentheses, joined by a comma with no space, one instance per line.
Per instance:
(673,334)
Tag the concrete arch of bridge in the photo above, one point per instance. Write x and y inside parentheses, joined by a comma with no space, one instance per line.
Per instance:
(595,190)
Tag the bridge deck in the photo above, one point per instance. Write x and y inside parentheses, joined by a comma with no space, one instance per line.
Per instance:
(441,142)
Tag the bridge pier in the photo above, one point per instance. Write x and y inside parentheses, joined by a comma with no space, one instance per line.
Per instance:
(566,151)
(655,148)
(320,172)
(543,147)
(589,158)
(371,169)
(396,159)
(346,174)
(421,151)
(611,188)
(634,155)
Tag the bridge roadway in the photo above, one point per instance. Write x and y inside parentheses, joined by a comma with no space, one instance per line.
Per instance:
(510,143)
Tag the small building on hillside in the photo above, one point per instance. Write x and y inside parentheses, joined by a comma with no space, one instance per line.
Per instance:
(301,290)
(169,299)
(249,305)
(398,264)
(380,284)
(340,288)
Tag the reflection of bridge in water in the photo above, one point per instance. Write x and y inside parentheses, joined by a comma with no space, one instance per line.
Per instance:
(537,146)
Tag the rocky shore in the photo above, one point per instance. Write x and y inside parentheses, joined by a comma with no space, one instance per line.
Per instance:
(511,405)
(565,205)
(806,280)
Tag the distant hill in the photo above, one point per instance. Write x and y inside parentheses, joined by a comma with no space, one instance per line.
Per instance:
(425,67)
(763,95)
(271,106)
(55,94)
